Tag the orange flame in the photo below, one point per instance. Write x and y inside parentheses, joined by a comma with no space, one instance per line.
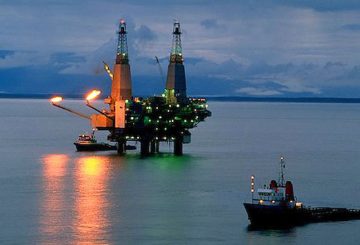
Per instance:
(56,99)
(93,94)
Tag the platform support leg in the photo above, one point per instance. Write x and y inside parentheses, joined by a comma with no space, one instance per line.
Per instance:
(144,147)
(153,147)
(121,147)
(178,146)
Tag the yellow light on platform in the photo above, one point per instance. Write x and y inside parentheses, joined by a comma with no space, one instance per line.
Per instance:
(93,94)
(56,99)
(298,204)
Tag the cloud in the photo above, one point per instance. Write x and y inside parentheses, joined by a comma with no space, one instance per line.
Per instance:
(319,5)
(65,58)
(142,39)
(23,58)
(5,53)
(144,34)
(258,91)
(351,27)
(288,47)
(286,79)
(212,24)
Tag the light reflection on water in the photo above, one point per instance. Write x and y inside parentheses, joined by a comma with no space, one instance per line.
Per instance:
(88,203)
(53,203)
(91,204)
(78,197)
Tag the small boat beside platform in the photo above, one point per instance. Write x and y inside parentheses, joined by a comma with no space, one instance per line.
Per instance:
(86,142)
(276,206)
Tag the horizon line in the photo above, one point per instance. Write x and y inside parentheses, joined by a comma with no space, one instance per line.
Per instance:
(229,98)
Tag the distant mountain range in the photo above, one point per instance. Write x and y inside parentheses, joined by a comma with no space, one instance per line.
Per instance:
(209,98)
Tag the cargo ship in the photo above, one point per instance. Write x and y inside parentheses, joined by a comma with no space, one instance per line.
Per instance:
(276,206)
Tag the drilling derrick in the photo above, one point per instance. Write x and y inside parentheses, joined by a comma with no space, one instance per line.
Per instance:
(121,83)
(120,87)
(175,91)
(115,119)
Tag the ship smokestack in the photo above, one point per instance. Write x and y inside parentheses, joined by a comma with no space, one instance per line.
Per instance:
(289,191)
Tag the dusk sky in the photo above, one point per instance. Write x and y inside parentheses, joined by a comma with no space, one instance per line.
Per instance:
(236,47)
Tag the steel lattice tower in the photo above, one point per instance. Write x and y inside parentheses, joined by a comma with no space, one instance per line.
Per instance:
(121,85)
(122,56)
(176,50)
(176,81)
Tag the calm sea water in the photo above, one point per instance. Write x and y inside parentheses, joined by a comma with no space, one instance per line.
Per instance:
(51,194)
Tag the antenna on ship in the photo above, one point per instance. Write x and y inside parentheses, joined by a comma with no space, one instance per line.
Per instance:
(281,173)
(252,188)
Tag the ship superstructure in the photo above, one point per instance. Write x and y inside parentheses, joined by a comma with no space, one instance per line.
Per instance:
(277,193)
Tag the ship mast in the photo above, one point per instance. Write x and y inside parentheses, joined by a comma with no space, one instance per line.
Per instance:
(281,172)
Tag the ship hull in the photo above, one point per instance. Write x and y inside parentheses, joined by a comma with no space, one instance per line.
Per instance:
(284,216)
(273,216)
(94,147)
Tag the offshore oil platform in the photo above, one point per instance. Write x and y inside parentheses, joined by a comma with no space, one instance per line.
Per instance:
(165,118)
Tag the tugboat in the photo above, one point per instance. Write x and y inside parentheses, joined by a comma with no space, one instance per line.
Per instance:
(87,142)
(276,206)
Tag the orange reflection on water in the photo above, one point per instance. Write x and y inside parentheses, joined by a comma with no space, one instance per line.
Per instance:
(54,168)
(54,165)
(91,201)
